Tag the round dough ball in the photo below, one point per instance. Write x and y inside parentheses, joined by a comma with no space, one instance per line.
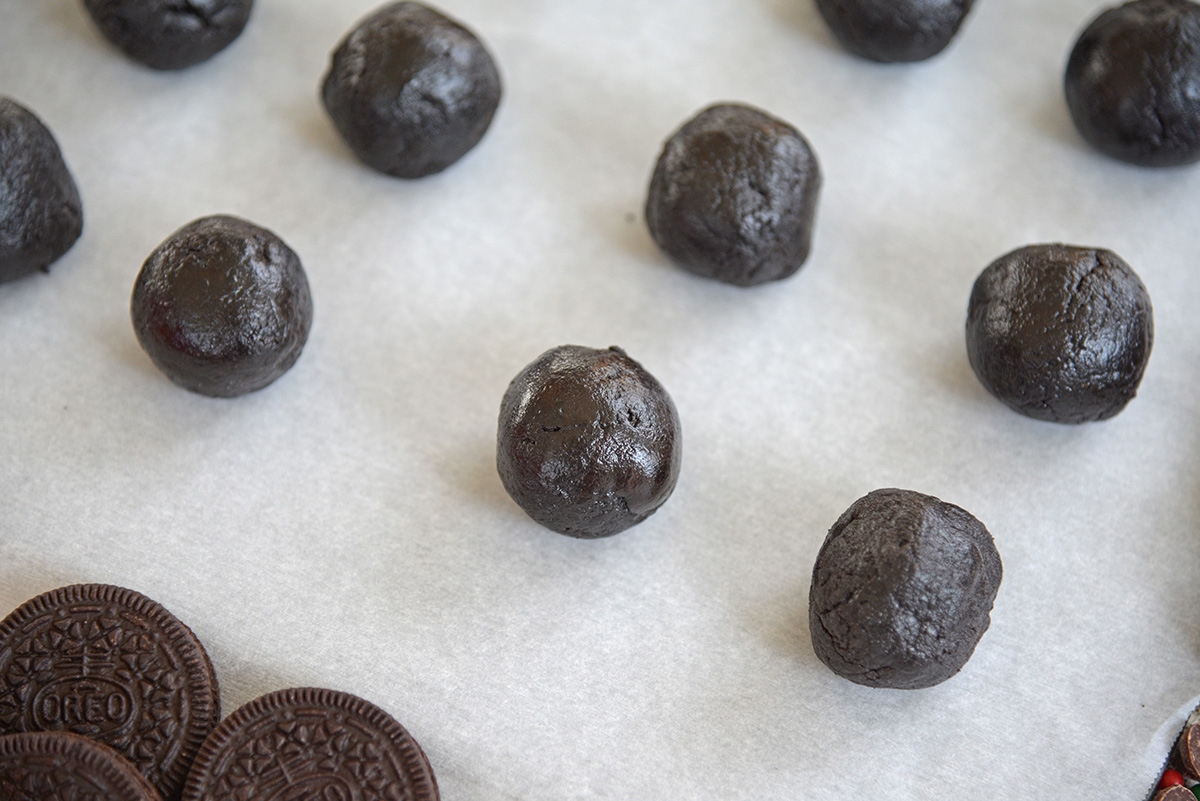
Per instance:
(1133,83)
(1060,333)
(411,91)
(588,442)
(41,215)
(222,307)
(170,34)
(894,30)
(734,195)
(902,590)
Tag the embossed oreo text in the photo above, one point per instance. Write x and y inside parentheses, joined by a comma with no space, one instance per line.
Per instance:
(112,665)
(75,703)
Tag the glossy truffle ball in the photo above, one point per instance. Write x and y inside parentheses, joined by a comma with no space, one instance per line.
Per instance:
(734,195)
(411,91)
(1060,333)
(588,441)
(1133,83)
(902,590)
(894,30)
(222,307)
(40,212)
(170,34)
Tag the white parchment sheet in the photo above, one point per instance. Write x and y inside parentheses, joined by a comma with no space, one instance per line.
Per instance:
(346,527)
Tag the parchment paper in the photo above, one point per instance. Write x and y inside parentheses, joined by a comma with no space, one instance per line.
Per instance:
(346,528)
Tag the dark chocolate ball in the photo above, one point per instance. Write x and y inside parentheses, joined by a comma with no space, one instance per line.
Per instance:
(894,30)
(902,590)
(40,212)
(734,195)
(411,91)
(222,307)
(588,442)
(170,34)
(1133,83)
(1060,333)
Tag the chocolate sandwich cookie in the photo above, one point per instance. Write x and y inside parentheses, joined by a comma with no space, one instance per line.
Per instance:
(734,195)
(170,34)
(1181,768)
(222,307)
(894,30)
(902,590)
(1133,83)
(1187,752)
(310,744)
(60,766)
(1060,333)
(410,90)
(588,442)
(41,215)
(115,666)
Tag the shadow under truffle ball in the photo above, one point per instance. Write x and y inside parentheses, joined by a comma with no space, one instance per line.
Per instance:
(894,30)
(1060,333)
(588,442)
(170,34)
(411,91)
(222,307)
(41,214)
(902,590)
(1133,83)
(734,195)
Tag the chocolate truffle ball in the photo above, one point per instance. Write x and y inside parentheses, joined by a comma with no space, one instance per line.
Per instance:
(170,34)
(902,590)
(1060,333)
(894,30)
(588,442)
(1133,83)
(40,212)
(222,307)
(411,91)
(734,195)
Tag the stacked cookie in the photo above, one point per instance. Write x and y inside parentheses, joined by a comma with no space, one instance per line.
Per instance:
(106,694)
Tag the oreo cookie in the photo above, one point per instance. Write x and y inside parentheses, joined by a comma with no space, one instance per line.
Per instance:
(60,766)
(310,743)
(112,665)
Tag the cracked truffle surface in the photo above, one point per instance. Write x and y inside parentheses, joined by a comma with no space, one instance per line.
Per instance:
(894,30)
(734,195)
(170,34)
(902,590)
(411,91)
(41,215)
(1133,83)
(588,442)
(1060,333)
(222,307)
